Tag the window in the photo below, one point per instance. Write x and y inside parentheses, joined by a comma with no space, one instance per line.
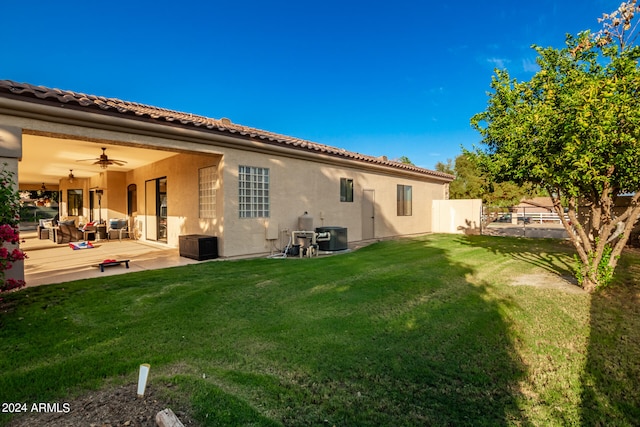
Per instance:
(346,190)
(207,191)
(253,192)
(404,200)
(74,202)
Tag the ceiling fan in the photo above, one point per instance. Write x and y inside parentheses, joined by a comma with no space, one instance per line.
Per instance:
(104,161)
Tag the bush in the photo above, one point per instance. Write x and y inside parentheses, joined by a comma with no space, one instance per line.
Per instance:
(9,231)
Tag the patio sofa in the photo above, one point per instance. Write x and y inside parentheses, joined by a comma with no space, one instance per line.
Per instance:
(60,231)
(68,232)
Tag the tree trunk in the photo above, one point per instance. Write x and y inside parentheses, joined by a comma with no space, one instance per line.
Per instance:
(592,238)
(589,285)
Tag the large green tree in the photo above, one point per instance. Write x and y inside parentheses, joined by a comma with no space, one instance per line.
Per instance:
(471,182)
(574,130)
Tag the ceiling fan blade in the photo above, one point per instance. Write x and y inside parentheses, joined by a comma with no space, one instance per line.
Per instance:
(104,160)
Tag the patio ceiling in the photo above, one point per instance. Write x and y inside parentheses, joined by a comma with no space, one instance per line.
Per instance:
(47,159)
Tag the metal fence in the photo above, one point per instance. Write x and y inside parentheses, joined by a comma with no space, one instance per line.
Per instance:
(537,222)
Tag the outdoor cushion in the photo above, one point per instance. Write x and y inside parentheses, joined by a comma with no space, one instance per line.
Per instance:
(117,223)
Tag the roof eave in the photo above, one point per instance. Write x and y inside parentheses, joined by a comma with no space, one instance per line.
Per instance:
(72,108)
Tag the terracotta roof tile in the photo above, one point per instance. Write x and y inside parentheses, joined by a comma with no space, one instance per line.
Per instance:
(42,94)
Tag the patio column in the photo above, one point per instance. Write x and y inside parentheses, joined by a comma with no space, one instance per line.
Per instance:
(10,154)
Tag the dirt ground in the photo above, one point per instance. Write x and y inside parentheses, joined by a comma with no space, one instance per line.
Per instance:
(546,280)
(111,407)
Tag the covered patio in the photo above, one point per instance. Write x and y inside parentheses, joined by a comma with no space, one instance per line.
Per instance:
(49,263)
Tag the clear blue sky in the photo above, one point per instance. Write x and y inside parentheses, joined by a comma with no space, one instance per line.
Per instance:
(389,78)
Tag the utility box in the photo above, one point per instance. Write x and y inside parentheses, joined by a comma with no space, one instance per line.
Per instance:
(338,240)
(198,246)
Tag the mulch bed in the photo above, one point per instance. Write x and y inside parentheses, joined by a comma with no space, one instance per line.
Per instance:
(111,407)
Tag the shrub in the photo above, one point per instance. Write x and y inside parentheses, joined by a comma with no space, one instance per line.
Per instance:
(9,232)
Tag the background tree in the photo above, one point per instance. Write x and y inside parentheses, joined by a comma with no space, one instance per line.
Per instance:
(446,167)
(471,182)
(405,160)
(574,130)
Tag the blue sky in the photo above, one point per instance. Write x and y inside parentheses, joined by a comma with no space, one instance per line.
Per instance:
(398,78)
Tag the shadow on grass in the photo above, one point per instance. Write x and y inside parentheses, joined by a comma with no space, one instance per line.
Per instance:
(553,255)
(415,344)
(611,392)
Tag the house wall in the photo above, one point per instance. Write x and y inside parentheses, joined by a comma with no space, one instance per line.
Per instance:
(461,216)
(300,182)
(114,197)
(298,186)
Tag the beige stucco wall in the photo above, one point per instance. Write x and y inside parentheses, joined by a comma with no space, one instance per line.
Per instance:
(298,186)
(457,216)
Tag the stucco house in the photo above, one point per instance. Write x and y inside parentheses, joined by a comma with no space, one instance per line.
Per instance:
(171,173)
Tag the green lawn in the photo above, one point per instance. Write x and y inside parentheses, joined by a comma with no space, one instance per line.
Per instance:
(423,331)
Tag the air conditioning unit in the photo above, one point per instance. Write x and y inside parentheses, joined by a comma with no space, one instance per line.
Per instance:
(338,240)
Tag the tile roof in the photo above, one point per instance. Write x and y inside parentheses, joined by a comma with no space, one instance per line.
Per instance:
(41,94)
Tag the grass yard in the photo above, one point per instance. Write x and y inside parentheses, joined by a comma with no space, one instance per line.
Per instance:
(437,330)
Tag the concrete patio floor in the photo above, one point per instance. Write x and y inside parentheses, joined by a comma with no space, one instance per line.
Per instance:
(49,262)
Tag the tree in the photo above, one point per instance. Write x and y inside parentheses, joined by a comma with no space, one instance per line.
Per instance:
(472,183)
(574,130)
(405,160)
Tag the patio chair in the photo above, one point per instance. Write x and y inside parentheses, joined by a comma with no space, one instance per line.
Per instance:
(44,228)
(119,228)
